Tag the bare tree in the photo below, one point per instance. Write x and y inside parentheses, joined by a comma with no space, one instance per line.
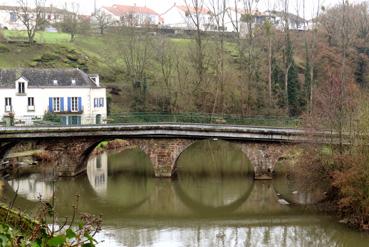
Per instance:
(70,22)
(166,53)
(288,62)
(31,18)
(312,54)
(219,12)
(195,9)
(103,20)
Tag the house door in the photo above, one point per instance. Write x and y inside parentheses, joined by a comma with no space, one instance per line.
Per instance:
(98,119)
(74,120)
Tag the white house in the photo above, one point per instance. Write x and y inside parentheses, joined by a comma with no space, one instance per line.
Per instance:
(132,15)
(9,16)
(295,22)
(179,17)
(69,96)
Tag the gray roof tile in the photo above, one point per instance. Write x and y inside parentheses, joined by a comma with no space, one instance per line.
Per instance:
(45,77)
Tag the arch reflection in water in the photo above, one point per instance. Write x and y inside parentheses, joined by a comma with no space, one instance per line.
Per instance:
(213,158)
(97,173)
(33,187)
(116,177)
(213,177)
(294,192)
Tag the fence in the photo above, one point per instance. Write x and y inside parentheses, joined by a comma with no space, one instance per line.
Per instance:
(145,118)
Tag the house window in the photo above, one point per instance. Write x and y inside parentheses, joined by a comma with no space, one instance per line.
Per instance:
(98,102)
(21,87)
(13,17)
(8,104)
(74,104)
(56,104)
(8,101)
(31,101)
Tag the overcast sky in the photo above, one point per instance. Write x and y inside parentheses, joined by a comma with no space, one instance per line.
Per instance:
(87,6)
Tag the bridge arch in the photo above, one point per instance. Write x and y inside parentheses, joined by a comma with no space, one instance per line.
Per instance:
(219,146)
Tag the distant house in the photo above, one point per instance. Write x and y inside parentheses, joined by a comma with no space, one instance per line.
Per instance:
(69,95)
(237,19)
(179,17)
(9,17)
(132,15)
(295,22)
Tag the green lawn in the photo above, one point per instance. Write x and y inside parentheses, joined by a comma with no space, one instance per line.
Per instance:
(41,37)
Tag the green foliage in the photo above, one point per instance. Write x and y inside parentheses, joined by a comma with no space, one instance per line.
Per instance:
(308,80)
(51,117)
(7,234)
(293,89)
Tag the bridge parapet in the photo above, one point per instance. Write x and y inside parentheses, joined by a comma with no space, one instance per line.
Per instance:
(163,143)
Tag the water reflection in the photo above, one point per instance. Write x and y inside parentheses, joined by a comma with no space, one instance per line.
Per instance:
(32,187)
(213,195)
(97,173)
(293,192)
(139,210)
(228,235)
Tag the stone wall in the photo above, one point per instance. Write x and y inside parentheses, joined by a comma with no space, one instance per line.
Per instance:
(71,154)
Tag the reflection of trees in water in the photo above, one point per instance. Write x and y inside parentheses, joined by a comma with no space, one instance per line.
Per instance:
(130,162)
(218,158)
(294,192)
(221,236)
(213,194)
(120,178)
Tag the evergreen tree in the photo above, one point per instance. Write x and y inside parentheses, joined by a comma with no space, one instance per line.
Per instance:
(293,88)
(277,83)
(307,83)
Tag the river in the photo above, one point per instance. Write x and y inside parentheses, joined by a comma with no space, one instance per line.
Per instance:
(213,201)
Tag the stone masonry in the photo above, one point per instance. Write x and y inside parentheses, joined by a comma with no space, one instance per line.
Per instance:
(71,154)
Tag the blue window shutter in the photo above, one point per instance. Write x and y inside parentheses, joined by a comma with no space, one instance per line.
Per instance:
(69,104)
(62,104)
(95,102)
(102,102)
(50,104)
(79,103)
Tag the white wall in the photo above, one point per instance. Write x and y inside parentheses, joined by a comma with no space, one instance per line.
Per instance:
(41,101)
(5,21)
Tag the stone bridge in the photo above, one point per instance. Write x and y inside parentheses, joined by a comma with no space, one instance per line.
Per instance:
(71,146)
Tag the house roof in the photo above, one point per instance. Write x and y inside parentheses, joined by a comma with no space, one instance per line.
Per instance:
(46,77)
(290,16)
(193,10)
(8,8)
(120,10)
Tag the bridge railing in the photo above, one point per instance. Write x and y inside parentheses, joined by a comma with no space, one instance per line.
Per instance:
(203,118)
(142,118)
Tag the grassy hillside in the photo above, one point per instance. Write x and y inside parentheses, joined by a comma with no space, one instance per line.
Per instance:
(105,55)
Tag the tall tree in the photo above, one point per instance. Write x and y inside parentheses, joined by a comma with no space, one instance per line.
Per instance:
(70,22)
(195,9)
(103,20)
(219,11)
(31,18)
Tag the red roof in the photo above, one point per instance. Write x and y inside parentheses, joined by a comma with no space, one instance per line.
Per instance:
(120,10)
(192,10)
